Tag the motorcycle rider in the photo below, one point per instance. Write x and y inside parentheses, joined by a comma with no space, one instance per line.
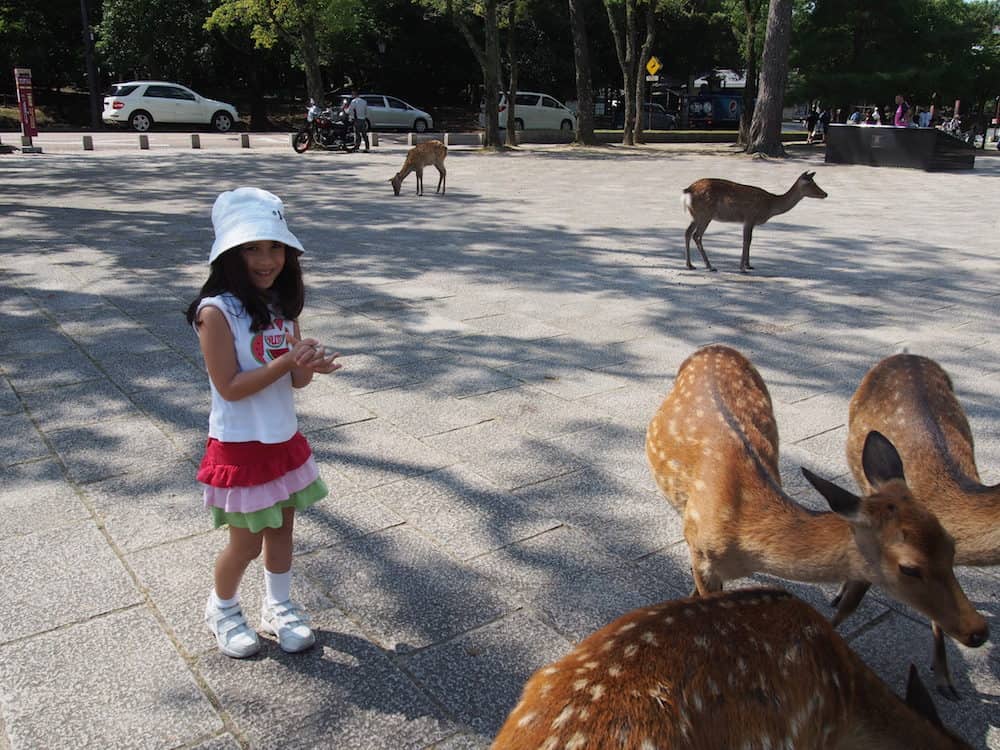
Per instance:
(358,112)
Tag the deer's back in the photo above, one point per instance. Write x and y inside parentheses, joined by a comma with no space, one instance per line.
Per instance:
(427,153)
(714,437)
(746,668)
(727,201)
(910,400)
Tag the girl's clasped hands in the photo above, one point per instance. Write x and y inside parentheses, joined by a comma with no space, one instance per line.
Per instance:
(311,355)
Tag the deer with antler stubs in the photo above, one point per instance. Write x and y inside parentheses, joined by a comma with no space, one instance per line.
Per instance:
(713,450)
(422,155)
(910,399)
(753,668)
(726,201)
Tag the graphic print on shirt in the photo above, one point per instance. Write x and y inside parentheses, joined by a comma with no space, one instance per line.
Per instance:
(271,343)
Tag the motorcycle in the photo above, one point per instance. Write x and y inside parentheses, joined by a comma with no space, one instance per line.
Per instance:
(325,129)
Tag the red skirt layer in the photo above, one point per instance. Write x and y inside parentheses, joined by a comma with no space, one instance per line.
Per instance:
(252,463)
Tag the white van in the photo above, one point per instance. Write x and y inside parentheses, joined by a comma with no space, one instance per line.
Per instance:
(534,111)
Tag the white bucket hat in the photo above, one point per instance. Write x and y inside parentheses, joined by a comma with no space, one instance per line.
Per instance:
(249,214)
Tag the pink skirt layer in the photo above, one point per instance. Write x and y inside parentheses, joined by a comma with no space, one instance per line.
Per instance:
(258,497)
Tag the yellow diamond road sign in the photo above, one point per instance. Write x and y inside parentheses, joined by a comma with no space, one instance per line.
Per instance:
(654,65)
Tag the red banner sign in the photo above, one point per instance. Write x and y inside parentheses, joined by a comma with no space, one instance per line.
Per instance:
(25,101)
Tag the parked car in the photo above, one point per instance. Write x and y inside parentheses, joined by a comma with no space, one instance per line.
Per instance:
(389,113)
(654,117)
(534,111)
(142,103)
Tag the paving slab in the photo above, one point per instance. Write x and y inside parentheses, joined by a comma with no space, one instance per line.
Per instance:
(113,681)
(504,348)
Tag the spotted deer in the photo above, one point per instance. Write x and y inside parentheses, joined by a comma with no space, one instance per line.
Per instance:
(726,201)
(910,399)
(422,155)
(713,450)
(752,668)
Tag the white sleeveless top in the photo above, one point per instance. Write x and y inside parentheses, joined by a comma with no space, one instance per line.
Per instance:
(267,416)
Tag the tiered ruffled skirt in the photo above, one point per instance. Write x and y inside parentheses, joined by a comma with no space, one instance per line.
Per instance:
(249,484)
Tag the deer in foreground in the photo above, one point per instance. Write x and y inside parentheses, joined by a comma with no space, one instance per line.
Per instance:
(910,400)
(726,201)
(752,668)
(713,450)
(422,155)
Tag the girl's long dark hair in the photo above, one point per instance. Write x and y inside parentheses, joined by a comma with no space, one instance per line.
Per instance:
(229,274)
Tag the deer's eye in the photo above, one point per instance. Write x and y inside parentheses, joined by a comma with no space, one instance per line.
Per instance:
(911,570)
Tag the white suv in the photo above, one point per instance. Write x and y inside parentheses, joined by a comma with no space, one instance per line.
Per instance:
(534,111)
(141,103)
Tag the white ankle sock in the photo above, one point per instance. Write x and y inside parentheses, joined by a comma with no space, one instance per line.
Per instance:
(223,603)
(278,586)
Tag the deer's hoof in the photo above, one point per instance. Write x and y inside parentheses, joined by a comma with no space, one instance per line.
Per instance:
(713,269)
(949,692)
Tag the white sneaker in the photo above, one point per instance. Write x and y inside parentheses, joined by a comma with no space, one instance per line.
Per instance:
(290,623)
(234,636)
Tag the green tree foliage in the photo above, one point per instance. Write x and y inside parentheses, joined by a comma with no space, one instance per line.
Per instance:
(307,26)
(45,37)
(856,51)
(162,39)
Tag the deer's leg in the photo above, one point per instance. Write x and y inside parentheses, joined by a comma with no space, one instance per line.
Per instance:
(942,677)
(745,259)
(420,182)
(847,599)
(699,231)
(687,245)
(441,179)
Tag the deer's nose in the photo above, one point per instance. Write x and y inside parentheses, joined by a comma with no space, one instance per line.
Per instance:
(978,638)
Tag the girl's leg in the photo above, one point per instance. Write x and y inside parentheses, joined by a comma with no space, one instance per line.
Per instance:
(278,544)
(281,616)
(223,613)
(244,546)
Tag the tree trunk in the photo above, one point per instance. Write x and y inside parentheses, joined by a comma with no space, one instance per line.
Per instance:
(640,69)
(765,128)
(512,88)
(488,56)
(310,61)
(626,61)
(750,10)
(584,88)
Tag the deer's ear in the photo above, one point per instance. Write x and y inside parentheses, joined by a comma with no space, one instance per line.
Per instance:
(880,460)
(919,699)
(842,502)
(809,175)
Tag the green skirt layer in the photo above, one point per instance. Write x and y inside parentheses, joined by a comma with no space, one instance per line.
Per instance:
(270,518)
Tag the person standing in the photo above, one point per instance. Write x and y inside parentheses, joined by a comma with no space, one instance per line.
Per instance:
(902,117)
(358,111)
(257,469)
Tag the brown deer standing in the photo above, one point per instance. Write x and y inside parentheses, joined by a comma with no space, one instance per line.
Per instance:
(911,401)
(750,206)
(713,450)
(422,155)
(754,668)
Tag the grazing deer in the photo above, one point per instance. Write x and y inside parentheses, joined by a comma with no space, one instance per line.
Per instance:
(713,450)
(750,206)
(911,401)
(422,155)
(753,668)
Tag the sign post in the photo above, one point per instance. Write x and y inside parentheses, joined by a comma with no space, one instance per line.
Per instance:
(653,66)
(26,108)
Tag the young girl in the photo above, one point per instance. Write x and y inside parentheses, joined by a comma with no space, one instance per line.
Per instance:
(258,468)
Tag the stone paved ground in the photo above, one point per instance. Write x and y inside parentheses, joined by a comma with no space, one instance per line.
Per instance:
(504,347)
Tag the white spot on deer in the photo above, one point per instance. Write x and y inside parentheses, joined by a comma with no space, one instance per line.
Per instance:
(577,741)
(669,620)
(648,744)
(649,637)
(614,670)
(626,627)
(580,684)
(699,485)
(630,650)
(565,715)
(549,670)
(607,645)
(527,719)
(701,642)
(550,744)
(596,691)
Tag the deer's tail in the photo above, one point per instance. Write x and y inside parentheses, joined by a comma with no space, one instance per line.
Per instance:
(686,199)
